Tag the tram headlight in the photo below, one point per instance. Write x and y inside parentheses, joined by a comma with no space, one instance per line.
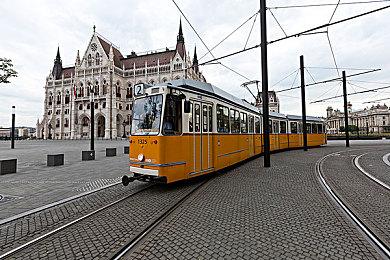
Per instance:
(141,157)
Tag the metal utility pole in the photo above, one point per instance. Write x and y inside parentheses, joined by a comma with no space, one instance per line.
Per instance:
(345,110)
(264,75)
(303,99)
(357,126)
(367,126)
(92,121)
(13,129)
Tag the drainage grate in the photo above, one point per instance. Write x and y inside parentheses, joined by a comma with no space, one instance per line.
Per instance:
(7,198)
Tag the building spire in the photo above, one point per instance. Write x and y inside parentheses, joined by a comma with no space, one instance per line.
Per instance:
(195,60)
(57,68)
(78,58)
(180,37)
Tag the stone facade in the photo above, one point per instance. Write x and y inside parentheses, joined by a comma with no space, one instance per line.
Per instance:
(273,101)
(369,120)
(67,111)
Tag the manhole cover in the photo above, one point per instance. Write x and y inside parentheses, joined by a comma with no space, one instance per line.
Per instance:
(7,198)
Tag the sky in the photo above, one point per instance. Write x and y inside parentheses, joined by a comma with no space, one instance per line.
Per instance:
(32,31)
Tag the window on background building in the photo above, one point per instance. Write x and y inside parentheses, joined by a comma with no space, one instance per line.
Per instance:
(97,59)
(104,104)
(59,98)
(81,107)
(58,123)
(67,97)
(129,93)
(85,121)
(88,106)
(66,124)
(89,60)
(96,105)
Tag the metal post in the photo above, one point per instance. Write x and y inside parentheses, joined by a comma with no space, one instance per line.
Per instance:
(367,126)
(345,110)
(303,100)
(111,103)
(357,126)
(264,75)
(13,129)
(92,123)
(124,129)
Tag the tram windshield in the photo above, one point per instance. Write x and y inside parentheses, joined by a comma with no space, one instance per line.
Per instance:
(147,115)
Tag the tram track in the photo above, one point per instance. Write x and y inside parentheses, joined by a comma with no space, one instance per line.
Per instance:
(370,176)
(46,235)
(131,245)
(103,232)
(360,222)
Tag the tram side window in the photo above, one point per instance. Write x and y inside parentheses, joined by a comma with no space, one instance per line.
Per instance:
(234,123)
(320,129)
(314,128)
(294,127)
(190,119)
(210,118)
(172,116)
(222,119)
(276,127)
(197,118)
(300,127)
(251,124)
(244,123)
(308,128)
(205,121)
(257,125)
(283,129)
(270,127)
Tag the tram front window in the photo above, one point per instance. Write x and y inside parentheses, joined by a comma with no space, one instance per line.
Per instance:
(146,115)
(172,116)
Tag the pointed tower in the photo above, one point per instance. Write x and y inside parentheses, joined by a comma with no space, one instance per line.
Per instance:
(180,48)
(57,68)
(78,61)
(195,62)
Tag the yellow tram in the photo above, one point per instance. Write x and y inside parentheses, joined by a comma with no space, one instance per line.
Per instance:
(185,128)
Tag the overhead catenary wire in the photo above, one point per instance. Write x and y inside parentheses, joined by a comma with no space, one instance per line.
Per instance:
(296,35)
(277,22)
(200,38)
(328,4)
(350,94)
(329,80)
(250,32)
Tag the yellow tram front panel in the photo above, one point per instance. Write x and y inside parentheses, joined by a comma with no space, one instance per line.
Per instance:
(171,163)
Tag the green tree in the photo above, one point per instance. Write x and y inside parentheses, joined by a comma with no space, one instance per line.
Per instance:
(6,70)
(342,128)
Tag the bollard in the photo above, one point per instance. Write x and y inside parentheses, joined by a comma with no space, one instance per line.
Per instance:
(126,150)
(110,152)
(55,159)
(7,166)
(88,155)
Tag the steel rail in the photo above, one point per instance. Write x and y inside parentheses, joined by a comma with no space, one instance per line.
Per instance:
(385,159)
(56,203)
(382,249)
(357,164)
(131,244)
(29,243)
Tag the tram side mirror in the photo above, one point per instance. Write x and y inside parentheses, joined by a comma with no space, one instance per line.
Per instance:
(186,106)
(182,96)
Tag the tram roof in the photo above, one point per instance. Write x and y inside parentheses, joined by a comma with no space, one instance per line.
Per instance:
(308,118)
(208,88)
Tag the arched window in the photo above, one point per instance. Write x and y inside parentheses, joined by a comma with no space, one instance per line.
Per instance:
(50,98)
(88,88)
(66,124)
(96,88)
(118,89)
(152,82)
(129,93)
(58,98)
(89,60)
(97,59)
(81,92)
(128,119)
(67,97)
(58,122)
(85,121)
(164,80)
(104,87)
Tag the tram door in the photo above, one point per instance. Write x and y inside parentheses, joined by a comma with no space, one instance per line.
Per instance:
(276,134)
(202,137)
(251,136)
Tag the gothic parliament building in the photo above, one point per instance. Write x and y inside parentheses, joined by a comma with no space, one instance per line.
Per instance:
(67,112)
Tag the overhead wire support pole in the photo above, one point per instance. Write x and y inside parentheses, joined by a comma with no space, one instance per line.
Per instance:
(264,75)
(345,110)
(303,99)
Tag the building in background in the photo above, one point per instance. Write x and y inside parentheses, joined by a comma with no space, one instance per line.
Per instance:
(67,112)
(368,120)
(273,101)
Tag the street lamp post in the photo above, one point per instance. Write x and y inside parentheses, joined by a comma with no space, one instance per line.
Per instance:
(13,128)
(124,129)
(50,127)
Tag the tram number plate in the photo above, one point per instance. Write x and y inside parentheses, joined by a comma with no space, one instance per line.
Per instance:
(142,141)
(139,89)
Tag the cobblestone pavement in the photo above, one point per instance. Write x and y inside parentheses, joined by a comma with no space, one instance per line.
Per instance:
(252,212)
(35,184)
(19,231)
(101,235)
(373,163)
(370,201)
